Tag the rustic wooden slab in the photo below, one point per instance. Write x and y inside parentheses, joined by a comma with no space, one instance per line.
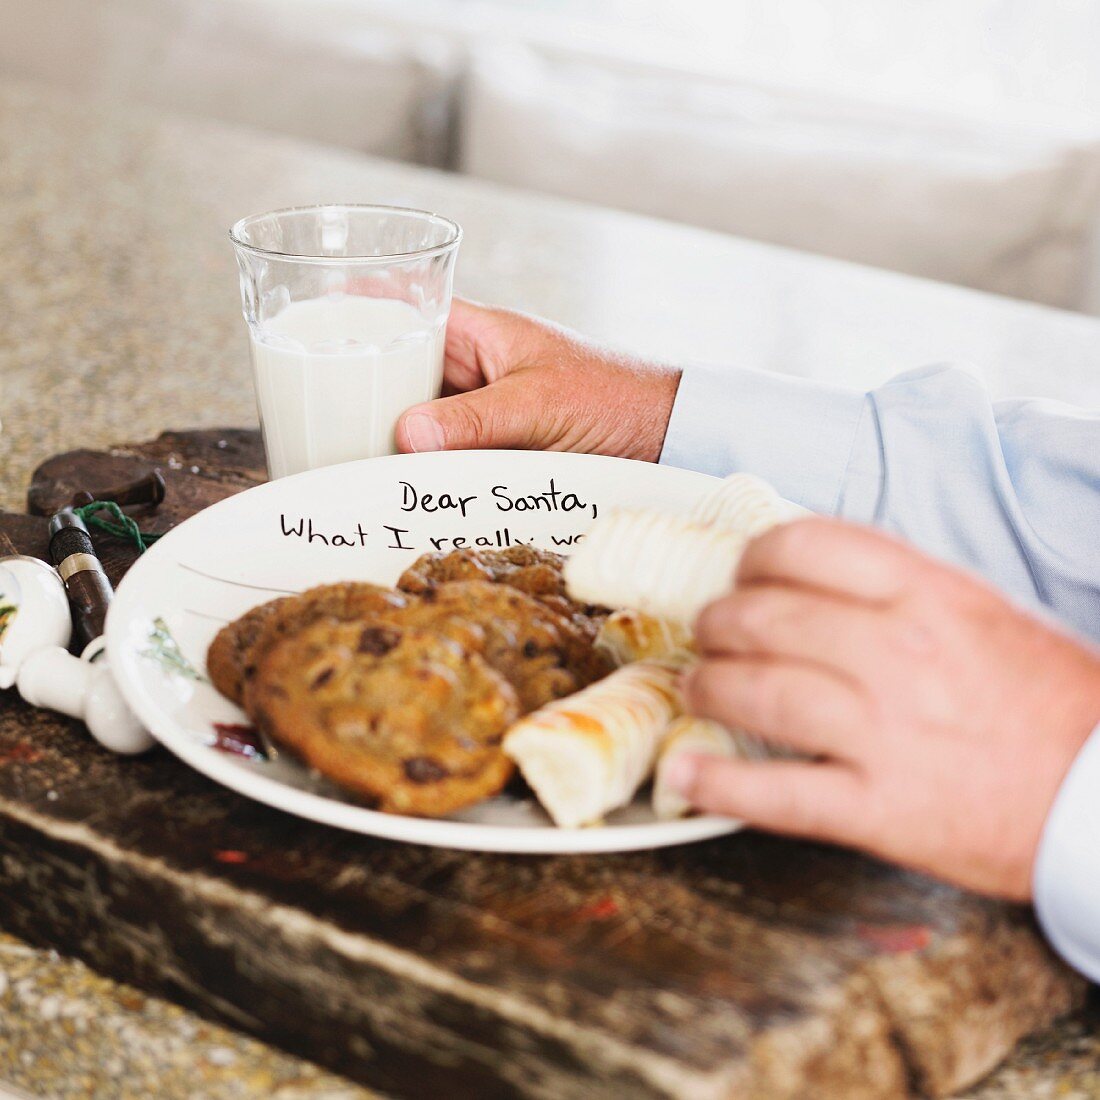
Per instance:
(747,966)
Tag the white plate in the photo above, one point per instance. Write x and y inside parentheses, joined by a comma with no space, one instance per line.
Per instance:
(366,521)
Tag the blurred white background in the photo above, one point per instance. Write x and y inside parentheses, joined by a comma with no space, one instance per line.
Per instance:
(954,139)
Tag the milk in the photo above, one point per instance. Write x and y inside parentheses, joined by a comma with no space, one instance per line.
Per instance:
(334,374)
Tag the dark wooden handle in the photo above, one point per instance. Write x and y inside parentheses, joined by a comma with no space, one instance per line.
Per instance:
(86,582)
(90,595)
(146,490)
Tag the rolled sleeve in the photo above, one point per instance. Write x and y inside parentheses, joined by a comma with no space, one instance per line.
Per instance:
(796,434)
(1066,879)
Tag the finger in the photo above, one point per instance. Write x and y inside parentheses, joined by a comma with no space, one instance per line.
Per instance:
(501,415)
(820,801)
(788,703)
(482,343)
(466,327)
(842,634)
(835,557)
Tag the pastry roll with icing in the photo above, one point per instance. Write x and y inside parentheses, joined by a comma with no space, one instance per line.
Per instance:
(587,754)
(664,564)
(630,635)
(696,735)
(746,504)
(668,565)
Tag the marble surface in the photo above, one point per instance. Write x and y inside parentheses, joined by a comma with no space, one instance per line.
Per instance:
(119,318)
(68,1033)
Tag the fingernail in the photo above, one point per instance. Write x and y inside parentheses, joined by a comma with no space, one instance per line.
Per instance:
(679,774)
(423,432)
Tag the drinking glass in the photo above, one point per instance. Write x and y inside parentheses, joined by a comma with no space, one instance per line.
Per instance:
(347,310)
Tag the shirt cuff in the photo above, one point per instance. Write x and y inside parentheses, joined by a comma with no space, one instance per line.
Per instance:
(1066,880)
(796,434)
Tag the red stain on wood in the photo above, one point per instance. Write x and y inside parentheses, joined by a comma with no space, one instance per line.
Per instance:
(231,855)
(20,754)
(895,939)
(604,909)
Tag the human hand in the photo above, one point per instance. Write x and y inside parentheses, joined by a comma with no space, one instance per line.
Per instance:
(515,381)
(941,719)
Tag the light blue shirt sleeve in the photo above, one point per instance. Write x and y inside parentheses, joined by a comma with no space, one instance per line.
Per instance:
(1066,881)
(1009,489)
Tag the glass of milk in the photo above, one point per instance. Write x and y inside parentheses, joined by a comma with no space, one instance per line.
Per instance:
(347,311)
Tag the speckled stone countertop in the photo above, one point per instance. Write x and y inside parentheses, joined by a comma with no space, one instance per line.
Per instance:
(67,1033)
(119,318)
(119,311)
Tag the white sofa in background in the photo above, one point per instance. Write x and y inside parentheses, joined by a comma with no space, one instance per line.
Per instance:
(1008,208)
(298,69)
(1002,203)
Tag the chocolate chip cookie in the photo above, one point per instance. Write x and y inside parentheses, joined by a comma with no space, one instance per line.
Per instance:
(348,601)
(537,650)
(535,572)
(227,658)
(409,719)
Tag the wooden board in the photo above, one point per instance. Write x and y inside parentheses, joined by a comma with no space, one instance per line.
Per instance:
(744,967)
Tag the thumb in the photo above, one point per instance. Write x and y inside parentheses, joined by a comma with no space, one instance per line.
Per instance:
(484,417)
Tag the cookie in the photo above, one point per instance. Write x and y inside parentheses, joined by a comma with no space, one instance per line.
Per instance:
(408,719)
(535,572)
(537,650)
(348,601)
(227,657)
(431,570)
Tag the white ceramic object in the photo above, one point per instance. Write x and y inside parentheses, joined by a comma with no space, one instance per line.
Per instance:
(366,520)
(40,613)
(83,687)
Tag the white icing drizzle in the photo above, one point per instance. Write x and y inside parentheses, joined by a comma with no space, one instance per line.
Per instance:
(744,503)
(663,564)
(588,754)
(628,635)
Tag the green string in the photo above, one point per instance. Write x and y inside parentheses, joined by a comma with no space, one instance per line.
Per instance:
(122,526)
